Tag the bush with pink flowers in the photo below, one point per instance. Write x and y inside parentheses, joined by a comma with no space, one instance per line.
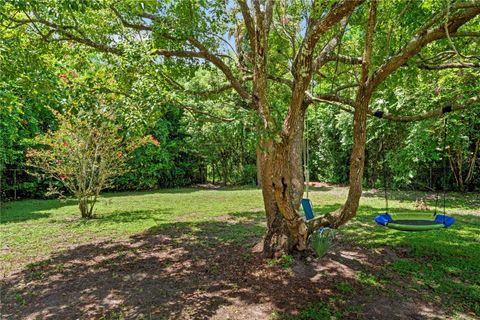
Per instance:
(84,154)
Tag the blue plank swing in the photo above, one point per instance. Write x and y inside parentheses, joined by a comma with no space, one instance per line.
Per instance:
(320,240)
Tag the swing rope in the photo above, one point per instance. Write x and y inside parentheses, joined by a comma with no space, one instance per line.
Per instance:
(444,164)
(384,167)
(306,170)
(444,183)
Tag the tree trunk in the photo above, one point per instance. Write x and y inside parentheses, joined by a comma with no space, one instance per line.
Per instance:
(280,169)
(357,164)
(83,206)
(282,187)
(259,156)
(277,239)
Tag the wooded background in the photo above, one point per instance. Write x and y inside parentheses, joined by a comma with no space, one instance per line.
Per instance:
(45,68)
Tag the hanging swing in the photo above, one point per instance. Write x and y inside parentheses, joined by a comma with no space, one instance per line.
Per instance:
(440,221)
(320,240)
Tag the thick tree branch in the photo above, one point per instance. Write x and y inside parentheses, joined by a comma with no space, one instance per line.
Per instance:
(368,49)
(203,52)
(215,60)
(472,102)
(218,90)
(465,34)
(333,99)
(451,8)
(318,28)
(249,23)
(65,32)
(326,52)
(206,55)
(424,36)
(344,59)
(340,106)
(452,65)
(342,102)
(303,66)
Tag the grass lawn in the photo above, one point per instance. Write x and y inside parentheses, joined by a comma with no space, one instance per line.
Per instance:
(186,253)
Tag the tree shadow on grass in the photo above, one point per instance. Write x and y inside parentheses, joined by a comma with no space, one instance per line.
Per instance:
(158,215)
(24,210)
(188,270)
(177,270)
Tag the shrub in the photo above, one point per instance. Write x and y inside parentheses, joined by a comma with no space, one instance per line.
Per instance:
(84,154)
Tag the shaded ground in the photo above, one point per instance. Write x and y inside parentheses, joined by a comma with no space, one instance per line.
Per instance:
(185,271)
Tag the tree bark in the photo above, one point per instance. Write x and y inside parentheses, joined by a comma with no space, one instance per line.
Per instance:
(259,155)
(357,162)
(83,206)
(282,188)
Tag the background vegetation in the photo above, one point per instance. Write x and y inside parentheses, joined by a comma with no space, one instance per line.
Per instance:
(213,140)
(196,148)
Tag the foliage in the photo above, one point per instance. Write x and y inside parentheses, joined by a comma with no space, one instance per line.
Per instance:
(29,90)
(84,154)
(212,137)
(155,165)
(329,145)
(413,152)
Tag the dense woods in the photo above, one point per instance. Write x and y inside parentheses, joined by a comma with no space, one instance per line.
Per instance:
(228,89)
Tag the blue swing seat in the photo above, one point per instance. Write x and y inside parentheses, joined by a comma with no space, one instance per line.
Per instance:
(307,209)
(321,239)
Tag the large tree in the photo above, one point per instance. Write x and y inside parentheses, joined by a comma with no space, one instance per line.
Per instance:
(279,58)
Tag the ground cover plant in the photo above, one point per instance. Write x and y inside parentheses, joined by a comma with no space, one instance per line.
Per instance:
(187,253)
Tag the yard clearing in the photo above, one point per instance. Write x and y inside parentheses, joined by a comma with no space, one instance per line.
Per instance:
(187,254)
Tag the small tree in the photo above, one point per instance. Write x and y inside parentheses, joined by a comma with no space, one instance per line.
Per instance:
(84,154)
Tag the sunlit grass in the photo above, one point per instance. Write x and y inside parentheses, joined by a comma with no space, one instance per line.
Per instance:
(33,229)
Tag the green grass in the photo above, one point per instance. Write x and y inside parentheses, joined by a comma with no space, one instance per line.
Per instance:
(33,229)
(285,261)
(441,263)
